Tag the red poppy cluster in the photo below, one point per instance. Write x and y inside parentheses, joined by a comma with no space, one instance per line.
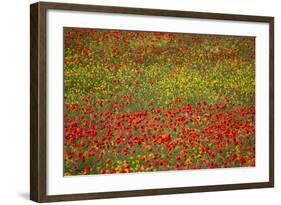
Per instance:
(185,137)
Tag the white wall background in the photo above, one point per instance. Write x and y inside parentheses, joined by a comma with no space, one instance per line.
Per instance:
(14,101)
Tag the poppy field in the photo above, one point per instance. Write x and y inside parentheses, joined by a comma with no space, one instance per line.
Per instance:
(154,101)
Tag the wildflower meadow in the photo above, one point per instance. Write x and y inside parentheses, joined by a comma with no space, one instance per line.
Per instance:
(137,101)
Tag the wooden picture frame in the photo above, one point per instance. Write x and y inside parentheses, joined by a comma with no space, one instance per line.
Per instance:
(38,101)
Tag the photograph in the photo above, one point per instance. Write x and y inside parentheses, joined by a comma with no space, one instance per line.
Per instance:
(137,101)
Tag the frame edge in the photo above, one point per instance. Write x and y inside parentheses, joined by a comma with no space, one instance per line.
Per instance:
(34,187)
(153,12)
(37,102)
(271,101)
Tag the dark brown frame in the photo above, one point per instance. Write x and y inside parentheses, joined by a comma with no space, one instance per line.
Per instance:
(38,95)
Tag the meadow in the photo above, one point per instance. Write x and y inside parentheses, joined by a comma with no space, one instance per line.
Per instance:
(152,101)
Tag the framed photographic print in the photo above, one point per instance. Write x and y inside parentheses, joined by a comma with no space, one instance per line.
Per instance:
(134,102)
